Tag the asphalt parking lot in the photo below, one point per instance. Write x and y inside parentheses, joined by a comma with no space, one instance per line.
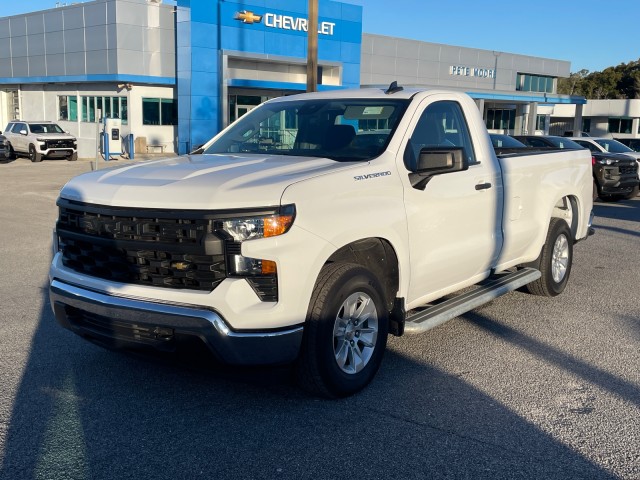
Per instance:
(523,388)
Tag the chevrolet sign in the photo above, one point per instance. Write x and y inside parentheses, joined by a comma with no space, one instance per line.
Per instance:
(247,17)
(283,22)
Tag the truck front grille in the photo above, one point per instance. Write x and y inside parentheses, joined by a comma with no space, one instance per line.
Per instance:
(628,170)
(159,248)
(59,144)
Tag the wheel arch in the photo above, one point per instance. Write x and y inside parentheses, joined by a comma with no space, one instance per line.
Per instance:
(377,255)
(567,208)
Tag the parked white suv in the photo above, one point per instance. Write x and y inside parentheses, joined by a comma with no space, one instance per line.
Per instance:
(40,140)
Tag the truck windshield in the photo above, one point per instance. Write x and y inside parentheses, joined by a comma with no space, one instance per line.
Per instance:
(613,146)
(45,128)
(342,130)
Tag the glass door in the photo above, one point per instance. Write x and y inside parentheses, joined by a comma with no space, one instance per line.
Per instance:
(242,109)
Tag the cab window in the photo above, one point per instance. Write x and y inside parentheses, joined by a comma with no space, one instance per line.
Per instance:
(442,124)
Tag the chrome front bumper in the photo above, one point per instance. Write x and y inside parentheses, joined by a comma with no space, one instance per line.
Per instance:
(124,322)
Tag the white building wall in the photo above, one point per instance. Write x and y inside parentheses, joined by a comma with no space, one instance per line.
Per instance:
(412,62)
(4,110)
(600,111)
(164,135)
(40,102)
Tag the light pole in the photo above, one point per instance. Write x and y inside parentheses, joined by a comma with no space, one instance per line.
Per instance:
(495,67)
(312,47)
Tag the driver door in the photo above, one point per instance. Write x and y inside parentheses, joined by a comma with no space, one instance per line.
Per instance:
(455,221)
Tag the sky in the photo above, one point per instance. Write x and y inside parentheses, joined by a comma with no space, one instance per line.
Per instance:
(591,34)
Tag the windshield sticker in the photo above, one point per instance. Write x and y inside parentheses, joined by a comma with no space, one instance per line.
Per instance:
(372,110)
(369,176)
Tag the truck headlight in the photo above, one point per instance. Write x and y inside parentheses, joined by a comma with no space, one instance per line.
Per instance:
(249,228)
(605,161)
(243,229)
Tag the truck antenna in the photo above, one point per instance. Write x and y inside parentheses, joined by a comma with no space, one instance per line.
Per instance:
(393,88)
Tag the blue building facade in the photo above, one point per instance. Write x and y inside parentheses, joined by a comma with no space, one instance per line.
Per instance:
(232,55)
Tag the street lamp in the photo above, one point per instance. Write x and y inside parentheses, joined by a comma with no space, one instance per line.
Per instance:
(312,47)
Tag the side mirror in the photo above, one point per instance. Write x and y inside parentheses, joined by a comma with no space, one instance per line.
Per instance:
(437,160)
(23,132)
(433,161)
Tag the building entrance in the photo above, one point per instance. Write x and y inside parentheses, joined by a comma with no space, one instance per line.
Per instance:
(242,109)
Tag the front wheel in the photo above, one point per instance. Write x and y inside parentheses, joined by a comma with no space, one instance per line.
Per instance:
(554,261)
(345,332)
(34,156)
(632,194)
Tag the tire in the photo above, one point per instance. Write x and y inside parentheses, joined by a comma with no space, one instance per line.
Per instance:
(554,262)
(12,153)
(34,156)
(341,351)
(596,193)
(73,157)
(632,194)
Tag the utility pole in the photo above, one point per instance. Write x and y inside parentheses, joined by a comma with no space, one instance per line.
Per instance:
(312,47)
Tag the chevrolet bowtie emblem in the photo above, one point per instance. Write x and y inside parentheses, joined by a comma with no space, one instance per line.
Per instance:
(248,17)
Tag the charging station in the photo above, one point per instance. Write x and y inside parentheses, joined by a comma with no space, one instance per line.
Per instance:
(111,140)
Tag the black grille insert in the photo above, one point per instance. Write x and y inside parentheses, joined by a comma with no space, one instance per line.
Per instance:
(59,143)
(157,248)
(114,331)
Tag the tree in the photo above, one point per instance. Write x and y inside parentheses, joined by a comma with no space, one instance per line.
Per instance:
(621,81)
(571,85)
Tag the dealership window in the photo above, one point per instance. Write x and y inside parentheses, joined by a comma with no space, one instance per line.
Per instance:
(586,125)
(540,122)
(159,111)
(620,125)
(501,119)
(68,108)
(112,107)
(534,83)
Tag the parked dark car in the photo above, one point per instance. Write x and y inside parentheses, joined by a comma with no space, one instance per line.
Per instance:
(538,141)
(505,144)
(632,143)
(5,151)
(615,175)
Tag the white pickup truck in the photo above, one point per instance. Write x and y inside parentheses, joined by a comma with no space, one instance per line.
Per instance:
(313,227)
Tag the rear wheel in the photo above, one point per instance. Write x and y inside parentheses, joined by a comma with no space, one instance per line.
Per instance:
(345,332)
(554,261)
(34,156)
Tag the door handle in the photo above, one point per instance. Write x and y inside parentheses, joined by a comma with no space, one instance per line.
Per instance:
(483,186)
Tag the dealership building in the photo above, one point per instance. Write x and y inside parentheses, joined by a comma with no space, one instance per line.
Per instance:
(175,75)
(618,118)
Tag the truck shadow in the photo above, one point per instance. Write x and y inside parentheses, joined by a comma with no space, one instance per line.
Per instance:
(81,412)
(626,210)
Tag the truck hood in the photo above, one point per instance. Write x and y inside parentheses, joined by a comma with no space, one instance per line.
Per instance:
(55,136)
(199,181)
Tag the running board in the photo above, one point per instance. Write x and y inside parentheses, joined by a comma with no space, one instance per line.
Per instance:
(498,285)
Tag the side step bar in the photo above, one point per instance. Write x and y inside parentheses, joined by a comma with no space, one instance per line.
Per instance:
(498,285)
